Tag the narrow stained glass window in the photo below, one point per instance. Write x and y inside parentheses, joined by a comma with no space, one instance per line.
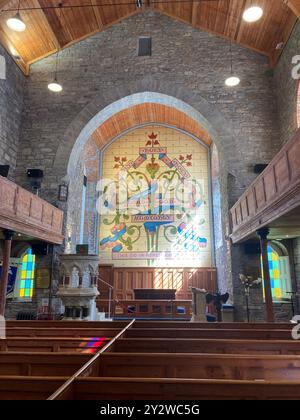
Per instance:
(27,275)
(279,275)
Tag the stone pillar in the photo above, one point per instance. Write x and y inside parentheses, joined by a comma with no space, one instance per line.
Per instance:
(263,235)
(8,235)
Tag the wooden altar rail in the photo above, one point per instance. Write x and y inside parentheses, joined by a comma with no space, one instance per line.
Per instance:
(26,213)
(273,194)
(153,309)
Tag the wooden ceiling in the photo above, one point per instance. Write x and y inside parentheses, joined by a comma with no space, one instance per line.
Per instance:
(147,113)
(50,29)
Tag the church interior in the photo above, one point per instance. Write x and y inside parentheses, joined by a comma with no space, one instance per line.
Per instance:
(149,200)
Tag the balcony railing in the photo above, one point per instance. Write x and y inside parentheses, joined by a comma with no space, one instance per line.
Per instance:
(28,214)
(273,194)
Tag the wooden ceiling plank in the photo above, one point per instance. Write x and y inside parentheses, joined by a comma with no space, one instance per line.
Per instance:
(294,5)
(24,66)
(54,38)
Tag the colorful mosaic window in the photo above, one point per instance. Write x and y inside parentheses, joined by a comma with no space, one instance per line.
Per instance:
(27,275)
(275,274)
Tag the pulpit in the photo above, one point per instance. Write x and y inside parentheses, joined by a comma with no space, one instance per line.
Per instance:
(78,286)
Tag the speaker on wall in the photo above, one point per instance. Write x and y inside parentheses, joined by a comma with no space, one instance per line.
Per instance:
(4,169)
(258,169)
(35,173)
(40,248)
(252,248)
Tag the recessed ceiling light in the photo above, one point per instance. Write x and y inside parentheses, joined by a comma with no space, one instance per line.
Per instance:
(16,23)
(232,81)
(55,86)
(253,14)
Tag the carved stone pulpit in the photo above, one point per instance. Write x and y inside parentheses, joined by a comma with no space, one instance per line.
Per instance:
(199,305)
(78,286)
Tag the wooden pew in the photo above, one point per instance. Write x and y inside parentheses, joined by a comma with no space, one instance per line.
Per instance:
(200,366)
(61,332)
(41,364)
(209,333)
(67,324)
(213,326)
(180,389)
(178,345)
(28,388)
(54,344)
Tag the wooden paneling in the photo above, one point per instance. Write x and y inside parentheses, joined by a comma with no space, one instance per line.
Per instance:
(147,113)
(26,213)
(50,29)
(273,197)
(127,279)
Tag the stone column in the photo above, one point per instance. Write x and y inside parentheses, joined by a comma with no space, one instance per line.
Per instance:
(8,235)
(263,235)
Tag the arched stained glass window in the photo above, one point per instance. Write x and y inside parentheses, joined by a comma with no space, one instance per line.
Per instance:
(27,275)
(280,275)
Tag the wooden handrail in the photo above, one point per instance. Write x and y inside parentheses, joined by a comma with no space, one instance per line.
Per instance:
(88,365)
(24,212)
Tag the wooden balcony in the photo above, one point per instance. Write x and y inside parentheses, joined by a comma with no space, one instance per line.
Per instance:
(28,214)
(273,200)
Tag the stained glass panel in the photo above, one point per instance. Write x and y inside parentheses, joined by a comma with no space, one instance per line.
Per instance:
(27,275)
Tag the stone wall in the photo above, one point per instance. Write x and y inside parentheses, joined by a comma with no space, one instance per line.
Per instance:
(186,57)
(11,105)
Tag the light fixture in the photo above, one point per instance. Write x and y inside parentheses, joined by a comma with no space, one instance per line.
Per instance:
(55,86)
(253,14)
(138,3)
(16,23)
(233,80)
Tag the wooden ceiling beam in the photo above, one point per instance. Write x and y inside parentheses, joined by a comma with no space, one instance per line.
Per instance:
(294,5)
